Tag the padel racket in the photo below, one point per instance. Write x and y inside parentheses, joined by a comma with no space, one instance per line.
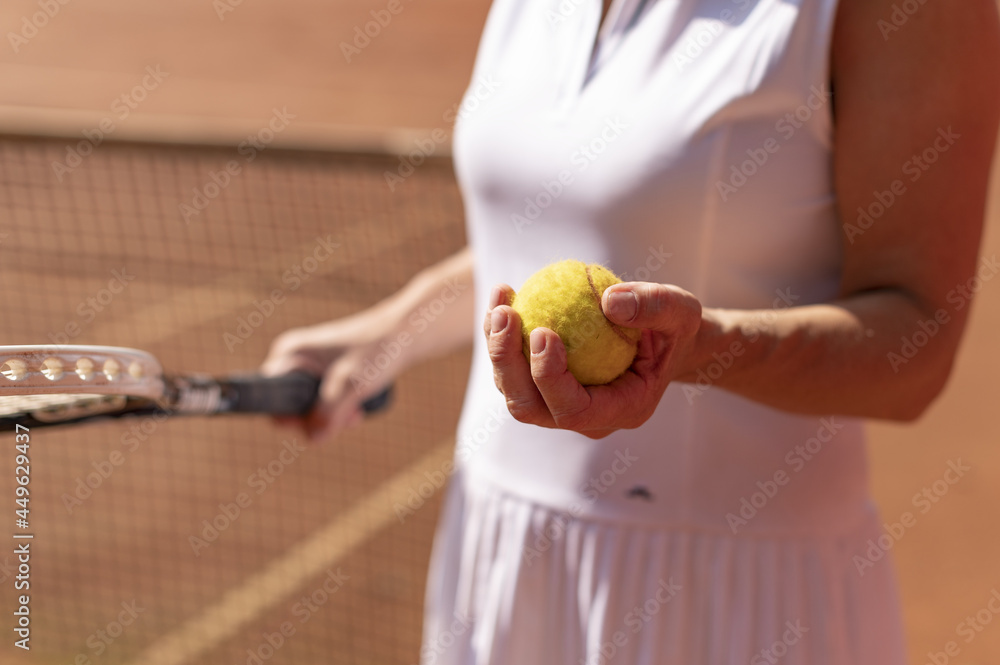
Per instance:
(50,385)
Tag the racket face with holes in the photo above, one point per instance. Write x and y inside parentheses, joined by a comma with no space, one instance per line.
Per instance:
(103,370)
(51,384)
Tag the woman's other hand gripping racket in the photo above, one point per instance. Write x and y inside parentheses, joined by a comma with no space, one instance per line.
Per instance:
(354,381)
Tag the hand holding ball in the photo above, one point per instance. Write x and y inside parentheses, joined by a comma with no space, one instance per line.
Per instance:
(566,298)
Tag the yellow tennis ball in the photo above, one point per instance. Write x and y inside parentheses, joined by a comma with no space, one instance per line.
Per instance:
(566,298)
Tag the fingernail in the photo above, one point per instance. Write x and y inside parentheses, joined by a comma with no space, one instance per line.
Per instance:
(623,305)
(498,320)
(537,341)
(496,296)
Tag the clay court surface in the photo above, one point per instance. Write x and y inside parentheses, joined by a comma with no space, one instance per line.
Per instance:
(222,70)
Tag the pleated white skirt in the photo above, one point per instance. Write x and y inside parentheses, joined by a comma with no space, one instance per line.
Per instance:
(516,583)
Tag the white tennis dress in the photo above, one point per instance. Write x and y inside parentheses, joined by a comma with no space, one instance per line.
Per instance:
(687,143)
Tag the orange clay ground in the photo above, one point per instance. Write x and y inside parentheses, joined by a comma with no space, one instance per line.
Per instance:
(235,61)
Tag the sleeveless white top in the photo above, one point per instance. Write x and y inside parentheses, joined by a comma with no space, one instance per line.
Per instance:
(689,142)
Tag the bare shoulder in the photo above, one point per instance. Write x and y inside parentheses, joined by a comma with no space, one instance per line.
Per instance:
(917,46)
(917,102)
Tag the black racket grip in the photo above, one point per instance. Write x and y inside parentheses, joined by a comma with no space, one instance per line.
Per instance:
(293,394)
(378,402)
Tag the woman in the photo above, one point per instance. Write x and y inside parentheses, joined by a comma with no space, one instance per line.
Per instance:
(797,189)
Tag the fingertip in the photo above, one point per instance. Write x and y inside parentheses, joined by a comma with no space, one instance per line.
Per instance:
(504,329)
(295,363)
(548,354)
(499,320)
(620,304)
(513,319)
(537,341)
(496,297)
(500,294)
(273,367)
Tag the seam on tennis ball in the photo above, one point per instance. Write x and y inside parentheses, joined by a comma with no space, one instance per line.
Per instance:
(597,296)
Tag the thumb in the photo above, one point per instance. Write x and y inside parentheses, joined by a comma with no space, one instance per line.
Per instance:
(661,307)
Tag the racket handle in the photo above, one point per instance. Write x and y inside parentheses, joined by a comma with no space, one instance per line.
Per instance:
(378,402)
(290,395)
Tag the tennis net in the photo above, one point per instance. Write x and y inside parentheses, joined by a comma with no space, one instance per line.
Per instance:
(222,540)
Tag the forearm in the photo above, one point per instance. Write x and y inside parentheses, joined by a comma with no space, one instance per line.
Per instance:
(432,315)
(846,357)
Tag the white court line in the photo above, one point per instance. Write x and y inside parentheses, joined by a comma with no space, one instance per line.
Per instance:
(284,576)
(190,129)
(228,293)
(194,306)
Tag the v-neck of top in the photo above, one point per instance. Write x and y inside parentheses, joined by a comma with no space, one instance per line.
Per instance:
(603,26)
(600,37)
